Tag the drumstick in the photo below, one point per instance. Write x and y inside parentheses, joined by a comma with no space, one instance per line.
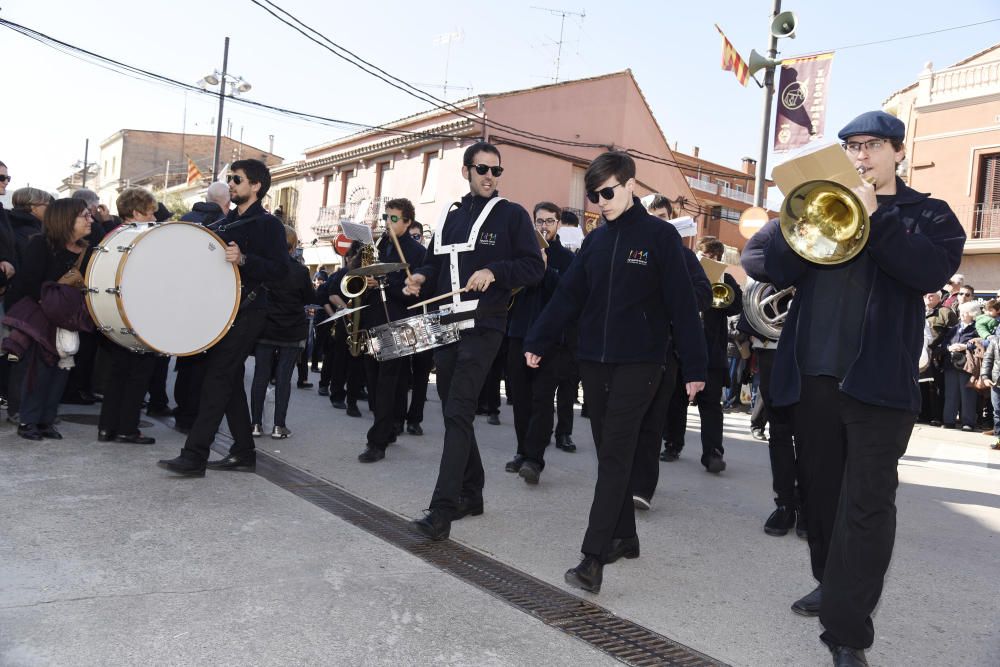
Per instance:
(438,298)
(402,258)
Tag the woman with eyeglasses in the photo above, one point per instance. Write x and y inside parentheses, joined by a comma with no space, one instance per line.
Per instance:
(47,257)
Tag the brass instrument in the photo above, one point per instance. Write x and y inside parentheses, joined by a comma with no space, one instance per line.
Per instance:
(722,294)
(351,289)
(823,218)
(766,307)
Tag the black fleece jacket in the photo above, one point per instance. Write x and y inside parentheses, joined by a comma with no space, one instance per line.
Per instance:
(628,286)
(262,240)
(395,301)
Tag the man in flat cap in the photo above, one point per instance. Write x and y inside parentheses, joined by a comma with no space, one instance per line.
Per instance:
(846,364)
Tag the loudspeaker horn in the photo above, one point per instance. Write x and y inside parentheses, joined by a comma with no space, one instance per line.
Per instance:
(759,62)
(783,25)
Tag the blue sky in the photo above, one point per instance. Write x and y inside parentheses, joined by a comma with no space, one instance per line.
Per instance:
(54,102)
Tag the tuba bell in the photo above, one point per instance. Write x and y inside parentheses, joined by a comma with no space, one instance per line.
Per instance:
(824,222)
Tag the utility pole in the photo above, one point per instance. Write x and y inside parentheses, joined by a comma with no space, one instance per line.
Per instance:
(760,186)
(222,101)
(86,149)
(562,14)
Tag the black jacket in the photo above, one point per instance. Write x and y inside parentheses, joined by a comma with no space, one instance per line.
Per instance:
(628,286)
(915,245)
(8,250)
(560,257)
(40,264)
(396,301)
(286,303)
(528,304)
(204,213)
(507,246)
(24,225)
(262,240)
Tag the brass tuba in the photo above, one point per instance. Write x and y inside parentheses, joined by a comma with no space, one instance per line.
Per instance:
(824,222)
(766,307)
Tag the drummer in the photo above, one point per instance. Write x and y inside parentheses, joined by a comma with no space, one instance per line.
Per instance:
(385,376)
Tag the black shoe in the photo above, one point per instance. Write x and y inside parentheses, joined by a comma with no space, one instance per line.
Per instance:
(564,441)
(781,521)
(105,436)
(371,455)
(304,385)
(622,547)
(493,419)
(363,396)
(641,503)
(468,507)
(49,432)
(801,530)
(77,398)
(182,466)
(399,429)
(323,391)
(29,432)
(314,369)
(352,410)
(514,465)
(530,472)
(414,428)
(340,405)
(90,396)
(810,604)
(758,433)
(669,453)
(846,656)
(587,575)
(232,462)
(482,411)
(714,463)
(182,426)
(136,438)
(434,525)
(159,411)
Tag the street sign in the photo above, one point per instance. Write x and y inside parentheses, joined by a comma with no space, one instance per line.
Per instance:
(341,245)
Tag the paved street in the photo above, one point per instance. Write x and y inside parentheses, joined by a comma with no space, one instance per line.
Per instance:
(107,560)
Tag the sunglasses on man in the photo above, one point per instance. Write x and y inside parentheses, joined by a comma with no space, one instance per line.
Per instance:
(481,169)
(234,178)
(4,178)
(417,236)
(607,193)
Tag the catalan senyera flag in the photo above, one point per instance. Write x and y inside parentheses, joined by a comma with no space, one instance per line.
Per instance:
(731,60)
(194,174)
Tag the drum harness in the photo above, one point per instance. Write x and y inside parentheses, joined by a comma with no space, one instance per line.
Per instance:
(219,228)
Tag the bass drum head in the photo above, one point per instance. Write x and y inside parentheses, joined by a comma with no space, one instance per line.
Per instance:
(178,292)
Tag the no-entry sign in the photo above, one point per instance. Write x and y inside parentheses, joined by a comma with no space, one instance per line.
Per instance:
(341,245)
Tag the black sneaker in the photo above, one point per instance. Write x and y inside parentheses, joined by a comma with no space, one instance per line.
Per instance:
(781,521)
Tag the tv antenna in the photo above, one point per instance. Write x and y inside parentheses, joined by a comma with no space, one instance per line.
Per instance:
(446,39)
(562,14)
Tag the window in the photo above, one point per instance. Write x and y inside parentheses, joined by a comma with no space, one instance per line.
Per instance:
(382,178)
(113,159)
(345,183)
(429,187)
(288,200)
(577,190)
(986,221)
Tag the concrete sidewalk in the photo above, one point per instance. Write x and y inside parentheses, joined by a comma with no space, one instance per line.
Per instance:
(108,560)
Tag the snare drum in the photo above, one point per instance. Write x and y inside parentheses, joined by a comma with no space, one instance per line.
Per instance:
(409,336)
(163,288)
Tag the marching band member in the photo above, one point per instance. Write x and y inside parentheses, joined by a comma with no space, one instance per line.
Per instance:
(631,293)
(847,361)
(384,377)
(488,247)
(255,242)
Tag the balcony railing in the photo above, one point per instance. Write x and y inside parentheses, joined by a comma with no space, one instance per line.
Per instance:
(737,195)
(366,212)
(983,219)
(959,83)
(703,184)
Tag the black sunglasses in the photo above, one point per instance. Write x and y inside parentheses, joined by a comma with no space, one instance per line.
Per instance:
(4,178)
(481,169)
(234,178)
(607,193)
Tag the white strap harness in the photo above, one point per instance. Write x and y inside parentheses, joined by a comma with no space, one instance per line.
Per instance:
(453,250)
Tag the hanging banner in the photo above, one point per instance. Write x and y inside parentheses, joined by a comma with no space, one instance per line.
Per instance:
(801,101)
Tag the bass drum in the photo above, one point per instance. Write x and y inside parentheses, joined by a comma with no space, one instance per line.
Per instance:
(163,288)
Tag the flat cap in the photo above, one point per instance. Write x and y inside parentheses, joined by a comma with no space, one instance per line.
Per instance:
(876,124)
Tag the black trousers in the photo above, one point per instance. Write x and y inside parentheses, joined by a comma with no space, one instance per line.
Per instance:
(620,400)
(347,372)
(222,392)
(383,383)
(126,387)
(187,388)
(709,402)
(415,376)
(848,453)
(646,470)
(321,337)
(489,395)
(158,383)
(533,390)
(566,394)
(780,442)
(81,375)
(462,368)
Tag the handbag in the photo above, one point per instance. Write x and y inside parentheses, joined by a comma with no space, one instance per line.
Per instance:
(73,277)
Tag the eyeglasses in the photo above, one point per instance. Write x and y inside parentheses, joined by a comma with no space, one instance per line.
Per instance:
(4,178)
(607,193)
(545,222)
(481,169)
(870,146)
(967,295)
(86,214)
(234,178)
(391,218)
(417,236)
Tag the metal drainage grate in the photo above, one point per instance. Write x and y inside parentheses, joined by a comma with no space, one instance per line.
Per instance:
(621,639)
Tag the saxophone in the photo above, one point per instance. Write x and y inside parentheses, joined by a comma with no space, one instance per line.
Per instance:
(354,287)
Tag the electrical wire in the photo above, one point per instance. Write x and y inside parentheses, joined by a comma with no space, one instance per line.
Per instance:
(897,39)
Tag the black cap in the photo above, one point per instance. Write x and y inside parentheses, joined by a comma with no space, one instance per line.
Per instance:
(875,124)
(162,213)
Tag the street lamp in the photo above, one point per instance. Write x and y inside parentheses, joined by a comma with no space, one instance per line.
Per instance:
(237,84)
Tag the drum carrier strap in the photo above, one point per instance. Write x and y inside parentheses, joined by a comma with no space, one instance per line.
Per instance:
(216,227)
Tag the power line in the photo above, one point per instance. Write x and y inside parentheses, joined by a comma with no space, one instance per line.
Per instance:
(897,39)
